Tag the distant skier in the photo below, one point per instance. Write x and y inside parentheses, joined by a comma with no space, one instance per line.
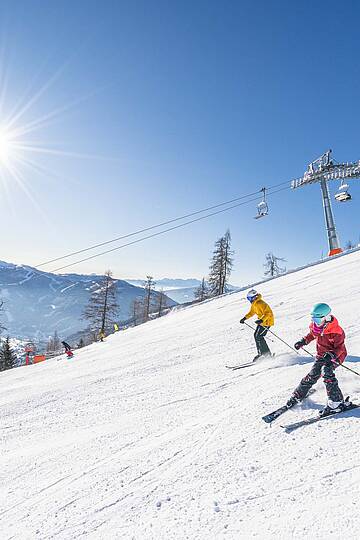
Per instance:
(264,321)
(331,351)
(102,335)
(68,350)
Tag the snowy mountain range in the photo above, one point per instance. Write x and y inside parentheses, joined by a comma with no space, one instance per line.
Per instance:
(37,303)
(148,436)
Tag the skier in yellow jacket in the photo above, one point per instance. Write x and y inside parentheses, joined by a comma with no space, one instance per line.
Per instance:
(265,319)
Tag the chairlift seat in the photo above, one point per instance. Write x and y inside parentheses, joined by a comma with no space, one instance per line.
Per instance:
(262,207)
(343,196)
(263,214)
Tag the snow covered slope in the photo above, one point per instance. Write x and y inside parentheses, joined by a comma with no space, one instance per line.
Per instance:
(148,436)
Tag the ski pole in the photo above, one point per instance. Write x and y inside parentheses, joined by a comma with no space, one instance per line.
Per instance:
(308,352)
(349,369)
(252,328)
(292,348)
(279,338)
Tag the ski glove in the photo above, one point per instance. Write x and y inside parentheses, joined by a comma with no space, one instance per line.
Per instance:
(242,320)
(330,358)
(300,344)
(259,321)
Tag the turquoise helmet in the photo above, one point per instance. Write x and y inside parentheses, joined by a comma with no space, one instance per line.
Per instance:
(319,312)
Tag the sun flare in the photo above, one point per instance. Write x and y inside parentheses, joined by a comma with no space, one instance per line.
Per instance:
(26,150)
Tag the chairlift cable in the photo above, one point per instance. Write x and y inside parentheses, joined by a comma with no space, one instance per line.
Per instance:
(146,229)
(163,232)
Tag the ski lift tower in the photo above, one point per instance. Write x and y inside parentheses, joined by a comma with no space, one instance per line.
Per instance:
(322,170)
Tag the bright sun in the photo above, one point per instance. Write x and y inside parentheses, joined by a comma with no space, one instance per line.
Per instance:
(21,155)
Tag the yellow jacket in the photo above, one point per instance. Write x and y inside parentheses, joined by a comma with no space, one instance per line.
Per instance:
(262,310)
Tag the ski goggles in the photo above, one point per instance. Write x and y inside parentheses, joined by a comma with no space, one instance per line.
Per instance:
(318,320)
(252,296)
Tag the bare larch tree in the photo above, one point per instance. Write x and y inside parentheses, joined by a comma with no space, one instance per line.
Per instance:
(161,302)
(149,287)
(202,292)
(137,311)
(271,265)
(102,308)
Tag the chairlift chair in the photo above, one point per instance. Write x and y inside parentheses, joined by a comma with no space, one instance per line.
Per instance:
(262,207)
(343,195)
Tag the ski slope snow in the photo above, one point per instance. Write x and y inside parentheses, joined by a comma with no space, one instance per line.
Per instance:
(148,436)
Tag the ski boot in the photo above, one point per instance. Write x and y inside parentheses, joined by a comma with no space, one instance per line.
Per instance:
(334,407)
(294,399)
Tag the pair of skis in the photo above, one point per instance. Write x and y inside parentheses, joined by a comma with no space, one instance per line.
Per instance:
(234,368)
(269,418)
(248,364)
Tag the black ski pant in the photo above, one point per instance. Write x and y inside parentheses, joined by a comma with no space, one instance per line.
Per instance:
(259,335)
(326,370)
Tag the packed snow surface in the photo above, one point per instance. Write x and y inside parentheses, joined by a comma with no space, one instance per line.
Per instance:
(149,436)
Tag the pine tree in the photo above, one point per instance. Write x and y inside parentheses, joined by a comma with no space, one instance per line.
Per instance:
(271,265)
(102,308)
(221,265)
(202,292)
(81,343)
(7,356)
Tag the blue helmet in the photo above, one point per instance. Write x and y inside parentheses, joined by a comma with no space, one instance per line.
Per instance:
(319,312)
(251,295)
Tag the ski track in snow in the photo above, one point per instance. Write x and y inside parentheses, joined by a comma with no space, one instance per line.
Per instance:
(149,436)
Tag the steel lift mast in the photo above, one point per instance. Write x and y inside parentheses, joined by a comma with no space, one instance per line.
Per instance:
(322,170)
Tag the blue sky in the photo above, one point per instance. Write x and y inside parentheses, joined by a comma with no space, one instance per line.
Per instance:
(168,107)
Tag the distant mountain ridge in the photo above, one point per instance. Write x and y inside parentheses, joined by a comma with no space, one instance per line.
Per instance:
(37,303)
(168,283)
(178,289)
